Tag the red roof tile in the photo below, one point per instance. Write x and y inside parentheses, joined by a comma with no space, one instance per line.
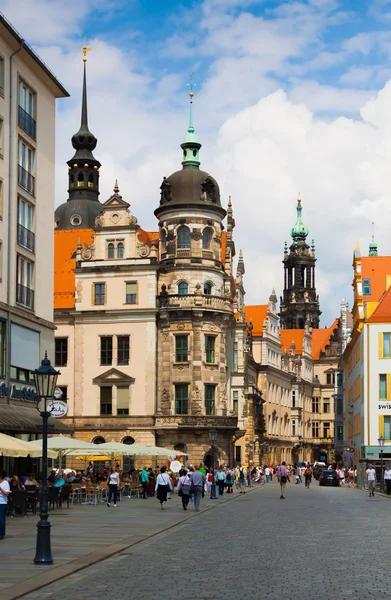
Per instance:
(382,312)
(321,339)
(65,243)
(292,335)
(257,314)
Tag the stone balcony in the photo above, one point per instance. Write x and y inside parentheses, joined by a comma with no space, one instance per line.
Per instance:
(207,301)
(199,421)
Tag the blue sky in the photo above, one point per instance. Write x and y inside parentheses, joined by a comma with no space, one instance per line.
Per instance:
(291,97)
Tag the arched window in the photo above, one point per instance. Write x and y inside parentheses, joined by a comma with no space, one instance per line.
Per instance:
(110,251)
(99,440)
(207,288)
(120,250)
(128,440)
(80,179)
(91,180)
(183,237)
(180,447)
(207,238)
(183,288)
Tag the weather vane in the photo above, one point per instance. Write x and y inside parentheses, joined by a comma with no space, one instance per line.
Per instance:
(191,85)
(85,50)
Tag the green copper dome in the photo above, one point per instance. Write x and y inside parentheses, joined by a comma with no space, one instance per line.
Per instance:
(191,144)
(373,248)
(299,231)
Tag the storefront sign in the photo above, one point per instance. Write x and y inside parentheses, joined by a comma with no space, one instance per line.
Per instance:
(384,408)
(23,393)
(58,409)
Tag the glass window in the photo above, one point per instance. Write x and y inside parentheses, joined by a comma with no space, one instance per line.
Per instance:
(183,288)
(293,427)
(131,292)
(207,238)
(110,251)
(2,348)
(238,454)
(340,380)
(386,345)
(122,400)
(330,378)
(183,237)
(120,250)
(315,430)
(123,349)
(26,99)
(315,405)
(24,284)
(383,387)
(236,402)
(339,406)
(326,430)
(235,357)
(340,433)
(61,352)
(387,428)
(326,406)
(366,283)
(106,350)
(181,348)
(207,288)
(99,293)
(25,235)
(181,398)
(293,399)
(106,403)
(210,391)
(210,348)
(1,75)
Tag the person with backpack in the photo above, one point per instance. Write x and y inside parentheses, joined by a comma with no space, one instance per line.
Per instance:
(308,476)
(282,474)
(242,480)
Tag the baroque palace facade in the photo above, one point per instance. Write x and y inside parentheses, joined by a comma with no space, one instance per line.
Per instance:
(154,341)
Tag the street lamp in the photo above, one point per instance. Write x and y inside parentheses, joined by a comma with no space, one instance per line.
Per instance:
(45,383)
(212,439)
(381,444)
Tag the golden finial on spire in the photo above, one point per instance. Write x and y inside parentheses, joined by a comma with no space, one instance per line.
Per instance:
(299,198)
(85,50)
(191,85)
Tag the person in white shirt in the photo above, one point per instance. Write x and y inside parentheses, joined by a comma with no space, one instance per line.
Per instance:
(113,483)
(387,479)
(163,486)
(4,493)
(267,473)
(371,480)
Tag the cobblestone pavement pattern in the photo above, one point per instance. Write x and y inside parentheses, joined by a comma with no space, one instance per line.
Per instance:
(320,543)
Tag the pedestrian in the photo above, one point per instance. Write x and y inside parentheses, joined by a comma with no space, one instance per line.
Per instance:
(144,479)
(298,475)
(282,473)
(221,480)
(267,473)
(341,475)
(209,480)
(229,481)
(203,470)
(4,493)
(242,480)
(308,476)
(151,482)
(163,486)
(371,479)
(387,479)
(113,483)
(183,487)
(197,483)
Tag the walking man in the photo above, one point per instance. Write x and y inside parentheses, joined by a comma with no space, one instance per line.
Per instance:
(144,479)
(267,473)
(282,473)
(197,483)
(371,480)
(308,476)
(4,493)
(221,480)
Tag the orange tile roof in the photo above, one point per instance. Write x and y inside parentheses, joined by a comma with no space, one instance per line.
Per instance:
(375,268)
(292,335)
(223,246)
(147,236)
(321,339)
(257,314)
(382,312)
(65,243)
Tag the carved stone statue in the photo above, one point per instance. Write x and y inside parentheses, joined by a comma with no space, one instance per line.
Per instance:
(293,298)
(306,297)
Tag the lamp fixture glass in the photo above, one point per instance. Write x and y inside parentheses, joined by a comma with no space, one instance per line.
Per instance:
(381,441)
(213,435)
(45,379)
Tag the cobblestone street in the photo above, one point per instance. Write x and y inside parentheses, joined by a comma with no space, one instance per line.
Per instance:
(323,543)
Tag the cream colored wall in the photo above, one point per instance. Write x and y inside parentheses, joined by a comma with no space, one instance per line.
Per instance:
(84,364)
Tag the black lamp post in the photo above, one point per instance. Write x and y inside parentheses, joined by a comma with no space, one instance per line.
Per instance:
(381,441)
(45,383)
(212,439)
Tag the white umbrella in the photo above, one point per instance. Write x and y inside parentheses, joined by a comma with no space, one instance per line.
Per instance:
(66,446)
(157,451)
(10,446)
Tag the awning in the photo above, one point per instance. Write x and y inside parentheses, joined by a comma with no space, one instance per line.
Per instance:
(26,419)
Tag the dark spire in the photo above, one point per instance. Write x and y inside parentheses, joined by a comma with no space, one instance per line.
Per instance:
(84,142)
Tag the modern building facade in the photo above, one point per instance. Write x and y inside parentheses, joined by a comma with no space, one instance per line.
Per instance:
(28,93)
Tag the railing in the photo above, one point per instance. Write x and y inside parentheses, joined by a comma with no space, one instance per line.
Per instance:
(26,180)
(24,295)
(196,300)
(26,238)
(27,122)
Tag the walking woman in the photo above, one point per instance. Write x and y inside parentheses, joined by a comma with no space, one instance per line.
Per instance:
(183,488)
(113,483)
(229,481)
(163,486)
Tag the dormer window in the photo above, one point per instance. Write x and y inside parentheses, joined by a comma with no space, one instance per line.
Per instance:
(183,237)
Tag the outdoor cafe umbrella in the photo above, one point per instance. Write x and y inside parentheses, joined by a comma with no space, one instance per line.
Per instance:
(67,446)
(10,446)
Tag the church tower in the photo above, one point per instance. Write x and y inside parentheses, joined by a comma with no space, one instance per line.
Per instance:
(299,302)
(82,206)
(195,309)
